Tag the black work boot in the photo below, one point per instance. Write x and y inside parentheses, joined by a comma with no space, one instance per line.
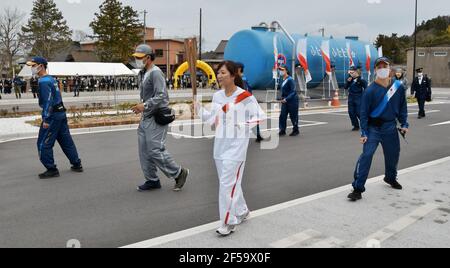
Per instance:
(394,184)
(355,196)
(49,174)
(77,168)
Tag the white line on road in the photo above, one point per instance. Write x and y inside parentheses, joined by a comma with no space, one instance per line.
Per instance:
(441,124)
(330,242)
(398,226)
(262,212)
(295,239)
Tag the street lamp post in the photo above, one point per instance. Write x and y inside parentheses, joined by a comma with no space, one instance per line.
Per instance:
(415,44)
(145,25)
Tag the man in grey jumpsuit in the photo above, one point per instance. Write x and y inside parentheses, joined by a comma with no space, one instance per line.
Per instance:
(152,136)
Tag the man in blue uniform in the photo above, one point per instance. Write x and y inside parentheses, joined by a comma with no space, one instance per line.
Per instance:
(421,89)
(383,104)
(290,103)
(356,86)
(54,122)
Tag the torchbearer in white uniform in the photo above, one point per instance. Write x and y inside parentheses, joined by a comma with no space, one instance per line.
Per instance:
(234,113)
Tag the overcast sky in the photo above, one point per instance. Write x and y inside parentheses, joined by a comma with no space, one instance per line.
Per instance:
(364,18)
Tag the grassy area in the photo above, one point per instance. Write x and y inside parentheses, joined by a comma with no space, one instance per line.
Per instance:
(78,119)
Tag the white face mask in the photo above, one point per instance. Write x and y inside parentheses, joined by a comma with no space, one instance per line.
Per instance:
(35,70)
(383,73)
(420,74)
(140,64)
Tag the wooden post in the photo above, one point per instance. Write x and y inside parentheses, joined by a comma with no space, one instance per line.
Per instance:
(190,46)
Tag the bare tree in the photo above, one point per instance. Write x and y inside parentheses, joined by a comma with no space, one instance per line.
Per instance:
(11,21)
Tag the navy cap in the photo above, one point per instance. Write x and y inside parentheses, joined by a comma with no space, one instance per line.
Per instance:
(419,70)
(282,67)
(37,60)
(353,68)
(382,59)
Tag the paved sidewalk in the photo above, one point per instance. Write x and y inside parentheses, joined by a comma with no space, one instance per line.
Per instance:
(415,217)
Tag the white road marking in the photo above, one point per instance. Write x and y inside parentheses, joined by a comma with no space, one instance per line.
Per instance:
(308,124)
(441,124)
(330,242)
(399,225)
(295,239)
(262,212)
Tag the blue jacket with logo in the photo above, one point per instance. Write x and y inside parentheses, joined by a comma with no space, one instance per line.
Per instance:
(49,96)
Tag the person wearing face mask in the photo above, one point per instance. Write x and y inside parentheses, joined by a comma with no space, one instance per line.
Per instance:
(290,103)
(401,76)
(54,122)
(355,86)
(421,89)
(383,104)
(151,135)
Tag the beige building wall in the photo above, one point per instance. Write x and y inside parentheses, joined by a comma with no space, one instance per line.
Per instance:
(435,62)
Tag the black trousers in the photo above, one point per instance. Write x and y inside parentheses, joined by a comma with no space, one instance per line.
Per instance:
(421,102)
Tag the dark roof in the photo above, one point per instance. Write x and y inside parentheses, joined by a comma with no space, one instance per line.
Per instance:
(85,56)
(221,47)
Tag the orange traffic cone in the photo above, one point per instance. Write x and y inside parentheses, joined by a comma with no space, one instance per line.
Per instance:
(335,102)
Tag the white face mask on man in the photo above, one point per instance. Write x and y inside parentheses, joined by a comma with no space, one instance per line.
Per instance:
(35,70)
(140,63)
(383,73)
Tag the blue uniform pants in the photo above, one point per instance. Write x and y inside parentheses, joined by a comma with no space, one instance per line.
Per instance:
(390,141)
(290,109)
(354,109)
(58,131)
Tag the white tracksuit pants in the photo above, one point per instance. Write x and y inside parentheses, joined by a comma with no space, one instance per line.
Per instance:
(232,204)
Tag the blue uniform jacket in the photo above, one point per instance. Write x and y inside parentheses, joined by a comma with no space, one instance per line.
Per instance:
(356,86)
(49,96)
(246,84)
(288,90)
(396,109)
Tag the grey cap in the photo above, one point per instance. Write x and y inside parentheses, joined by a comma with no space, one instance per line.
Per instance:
(142,51)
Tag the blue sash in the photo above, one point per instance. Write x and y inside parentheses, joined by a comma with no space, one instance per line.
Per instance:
(382,106)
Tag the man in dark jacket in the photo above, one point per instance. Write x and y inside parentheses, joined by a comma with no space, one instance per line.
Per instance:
(421,89)
(356,86)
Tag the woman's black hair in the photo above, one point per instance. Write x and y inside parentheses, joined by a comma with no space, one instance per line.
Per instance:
(233,68)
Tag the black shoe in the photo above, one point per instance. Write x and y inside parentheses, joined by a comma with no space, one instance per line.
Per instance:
(394,184)
(295,134)
(282,133)
(78,168)
(355,196)
(181,180)
(149,185)
(259,139)
(49,174)
(356,129)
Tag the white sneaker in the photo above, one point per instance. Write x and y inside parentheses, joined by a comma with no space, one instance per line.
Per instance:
(226,230)
(244,217)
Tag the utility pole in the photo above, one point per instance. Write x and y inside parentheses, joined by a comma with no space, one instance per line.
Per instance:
(200,43)
(145,25)
(415,45)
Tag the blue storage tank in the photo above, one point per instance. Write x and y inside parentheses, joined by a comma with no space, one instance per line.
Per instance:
(255,49)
